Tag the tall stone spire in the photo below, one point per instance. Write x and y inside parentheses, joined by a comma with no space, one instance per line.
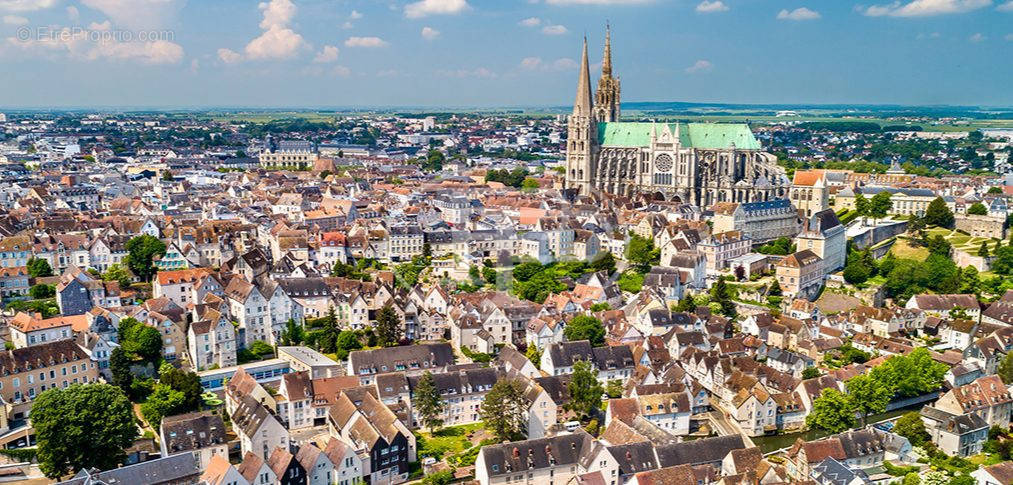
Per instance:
(606,62)
(606,100)
(582,105)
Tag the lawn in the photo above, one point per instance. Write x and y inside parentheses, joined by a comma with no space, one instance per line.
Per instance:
(904,249)
(445,442)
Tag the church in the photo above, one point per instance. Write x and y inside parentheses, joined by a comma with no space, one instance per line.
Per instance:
(695,163)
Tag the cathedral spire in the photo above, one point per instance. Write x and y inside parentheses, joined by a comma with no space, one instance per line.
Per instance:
(606,63)
(582,105)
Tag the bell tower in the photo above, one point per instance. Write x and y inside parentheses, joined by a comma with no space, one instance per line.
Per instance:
(606,100)
(582,133)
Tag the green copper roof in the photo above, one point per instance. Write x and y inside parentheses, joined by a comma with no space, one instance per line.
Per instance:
(695,135)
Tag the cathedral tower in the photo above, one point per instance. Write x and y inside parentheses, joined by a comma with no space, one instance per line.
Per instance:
(582,133)
(607,98)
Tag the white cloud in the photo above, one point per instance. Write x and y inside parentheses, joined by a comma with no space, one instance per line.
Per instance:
(597,2)
(707,6)
(924,8)
(329,53)
(537,64)
(82,45)
(430,33)
(275,43)
(137,14)
(480,72)
(554,30)
(73,14)
(800,13)
(976,37)
(530,22)
(423,8)
(15,20)
(25,5)
(700,66)
(277,13)
(1006,7)
(229,56)
(365,42)
(355,15)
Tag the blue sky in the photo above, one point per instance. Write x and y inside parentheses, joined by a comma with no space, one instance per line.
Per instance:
(337,53)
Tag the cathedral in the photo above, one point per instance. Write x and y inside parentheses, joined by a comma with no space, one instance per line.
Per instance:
(696,163)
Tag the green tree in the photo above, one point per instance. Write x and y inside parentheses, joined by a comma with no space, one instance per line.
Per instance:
(534,354)
(977,209)
(119,366)
(938,213)
(880,205)
(139,340)
(39,268)
(604,261)
(911,426)
(686,304)
(538,287)
(862,205)
(867,395)
(117,273)
(293,334)
(388,327)
(630,281)
(529,185)
(810,373)
(722,295)
(141,251)
(346,342)
(504,410)
(584,327)
(1005,369)
(489,275)
(585,390)
(982,251)
(614,389)
(82,426)
(42,291)
(640,252)
(185,382)
(911,375)
(832,411)
(163,401)
(427,401)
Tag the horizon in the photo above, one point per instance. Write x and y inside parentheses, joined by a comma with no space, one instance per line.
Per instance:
(480,54)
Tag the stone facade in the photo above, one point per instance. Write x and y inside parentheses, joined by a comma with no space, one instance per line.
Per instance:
(696,163)
(981,226)
(757,221)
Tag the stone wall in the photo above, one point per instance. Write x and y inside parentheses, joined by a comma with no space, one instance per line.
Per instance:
(981,226)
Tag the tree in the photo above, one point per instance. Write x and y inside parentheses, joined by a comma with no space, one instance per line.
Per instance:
(163,401)
(982,251)
(293,334)
(722,295)
(977,209)
(911,426)
(994,190)
(832,411)
(428,402)
(534,354)
(861,205)
(119,365)
(774,289)
(686,304)
(584,327)
(187,383)
(938,213)
(604,261)
(1005,369)
(388,327)
(880,205)
(529,185)
(504,410)
(640,252)
(42,291)
(82,426)
(810,373)
(39,268)
(117,273)
(346,342)
(139,340)
(614,389)
(489,275)
(141,251)
(585,390)
(867,395)
(911,375)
